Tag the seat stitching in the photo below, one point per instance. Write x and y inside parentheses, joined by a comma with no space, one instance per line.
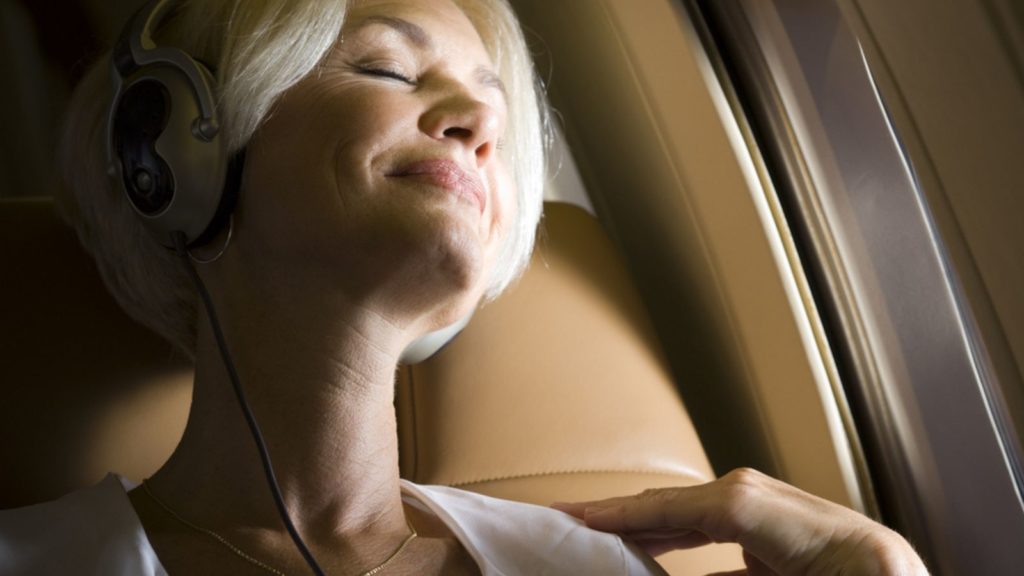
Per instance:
(572,472)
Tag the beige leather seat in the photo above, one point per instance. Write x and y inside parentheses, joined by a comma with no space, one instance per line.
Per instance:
(557,391)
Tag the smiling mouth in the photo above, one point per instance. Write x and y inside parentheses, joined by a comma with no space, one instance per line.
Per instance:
(448,175)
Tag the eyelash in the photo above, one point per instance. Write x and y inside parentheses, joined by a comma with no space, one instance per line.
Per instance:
(385,73)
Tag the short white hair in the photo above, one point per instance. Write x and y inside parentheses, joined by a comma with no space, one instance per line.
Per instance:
(260,49)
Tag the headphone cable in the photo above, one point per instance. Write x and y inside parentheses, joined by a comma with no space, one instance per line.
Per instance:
(282,510)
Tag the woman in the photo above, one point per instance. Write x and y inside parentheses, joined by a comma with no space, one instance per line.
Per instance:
(392,180)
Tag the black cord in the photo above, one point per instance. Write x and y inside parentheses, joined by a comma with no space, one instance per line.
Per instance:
(282,510)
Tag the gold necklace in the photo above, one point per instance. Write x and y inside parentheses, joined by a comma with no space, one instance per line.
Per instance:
(254,561)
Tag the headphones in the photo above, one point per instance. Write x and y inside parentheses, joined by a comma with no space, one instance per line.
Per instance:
(165,151)
(164,148)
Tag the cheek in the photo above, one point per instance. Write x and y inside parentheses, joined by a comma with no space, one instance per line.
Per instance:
(504,216)
(352,112)
(366,136)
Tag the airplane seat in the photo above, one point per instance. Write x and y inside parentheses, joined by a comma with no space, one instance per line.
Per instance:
(86,389)
(556,391)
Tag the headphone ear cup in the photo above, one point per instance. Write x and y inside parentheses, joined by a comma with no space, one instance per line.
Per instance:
(139,120)
(171,173)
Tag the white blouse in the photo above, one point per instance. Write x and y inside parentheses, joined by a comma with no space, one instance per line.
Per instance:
(96,531)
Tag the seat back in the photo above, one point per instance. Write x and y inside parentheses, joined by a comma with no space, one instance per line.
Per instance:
(85,388)
(561,378)
(557,391)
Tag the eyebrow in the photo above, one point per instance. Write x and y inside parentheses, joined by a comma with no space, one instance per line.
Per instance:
(488,77)
(418,36)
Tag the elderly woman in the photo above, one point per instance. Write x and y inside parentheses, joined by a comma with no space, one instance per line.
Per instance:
(392,175)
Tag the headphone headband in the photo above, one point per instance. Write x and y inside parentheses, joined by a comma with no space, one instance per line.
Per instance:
(135,49)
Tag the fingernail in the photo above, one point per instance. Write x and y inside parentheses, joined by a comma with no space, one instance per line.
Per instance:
(601,518)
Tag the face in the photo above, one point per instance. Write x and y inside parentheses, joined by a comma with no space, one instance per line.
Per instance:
(380,173)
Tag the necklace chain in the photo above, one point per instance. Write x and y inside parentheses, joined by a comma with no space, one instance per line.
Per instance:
(254,561)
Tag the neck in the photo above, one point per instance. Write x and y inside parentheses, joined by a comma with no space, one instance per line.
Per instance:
(320,381)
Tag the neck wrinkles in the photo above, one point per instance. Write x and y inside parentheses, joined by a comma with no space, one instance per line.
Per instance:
(319,378)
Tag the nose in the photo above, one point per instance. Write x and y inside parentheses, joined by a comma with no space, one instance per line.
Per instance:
(466,121)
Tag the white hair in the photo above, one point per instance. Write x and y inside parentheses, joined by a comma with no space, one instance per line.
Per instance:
(260,49)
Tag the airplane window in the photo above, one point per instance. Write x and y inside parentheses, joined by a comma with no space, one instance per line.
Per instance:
(913,363)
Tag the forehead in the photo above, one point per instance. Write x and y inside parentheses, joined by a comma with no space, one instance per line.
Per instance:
(438,25)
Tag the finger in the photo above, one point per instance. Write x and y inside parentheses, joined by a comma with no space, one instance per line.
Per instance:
(680,508)
(660,545)
(655,548)
(755,567)
(572,508)
(725,509)
(662,534)
(577,508)
(740,572)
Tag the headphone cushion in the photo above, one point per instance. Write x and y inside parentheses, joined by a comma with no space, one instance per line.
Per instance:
(140,119)
(173,176)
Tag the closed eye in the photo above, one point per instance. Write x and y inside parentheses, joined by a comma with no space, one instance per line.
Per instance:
(386,73)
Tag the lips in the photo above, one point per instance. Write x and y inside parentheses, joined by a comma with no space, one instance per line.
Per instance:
(446,174)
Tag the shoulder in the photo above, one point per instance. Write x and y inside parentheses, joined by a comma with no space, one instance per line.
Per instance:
(507,537)
(91,531)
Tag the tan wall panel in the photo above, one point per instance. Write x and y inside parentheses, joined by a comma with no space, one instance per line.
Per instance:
(671,178)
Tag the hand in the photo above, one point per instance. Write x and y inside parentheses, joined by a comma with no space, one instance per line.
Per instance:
(783,530)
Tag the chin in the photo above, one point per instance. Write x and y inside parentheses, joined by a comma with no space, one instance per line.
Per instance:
(439,265)
(453,261)
(449,291)
(422,260)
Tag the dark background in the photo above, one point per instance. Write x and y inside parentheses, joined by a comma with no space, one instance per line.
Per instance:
(45,48)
